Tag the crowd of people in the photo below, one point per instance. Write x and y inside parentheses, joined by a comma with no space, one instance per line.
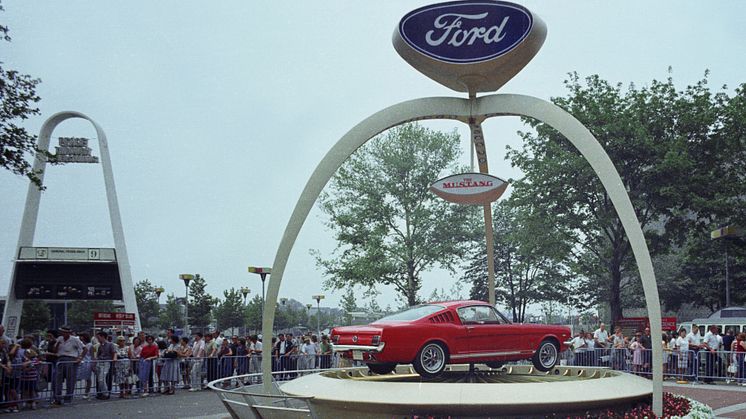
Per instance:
(66,364)
(684,353)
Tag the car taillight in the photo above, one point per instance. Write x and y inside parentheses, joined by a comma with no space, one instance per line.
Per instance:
(335,339)
(376,340)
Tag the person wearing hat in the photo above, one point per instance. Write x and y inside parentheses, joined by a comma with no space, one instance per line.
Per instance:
(70,351)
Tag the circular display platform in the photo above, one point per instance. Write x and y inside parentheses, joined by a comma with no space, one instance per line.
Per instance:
(509,391)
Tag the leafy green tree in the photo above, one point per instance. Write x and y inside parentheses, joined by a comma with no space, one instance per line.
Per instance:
(147,304)
(389,227)
(527,262)
(349,304)
(36,316)
(253,313)
(230,312)
(19,98)
(668,148)
(173,314)
(80,313)
(200,304)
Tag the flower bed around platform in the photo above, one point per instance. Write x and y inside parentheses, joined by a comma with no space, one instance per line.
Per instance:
(674,407)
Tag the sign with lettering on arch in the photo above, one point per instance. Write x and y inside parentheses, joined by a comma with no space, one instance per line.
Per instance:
(469,188)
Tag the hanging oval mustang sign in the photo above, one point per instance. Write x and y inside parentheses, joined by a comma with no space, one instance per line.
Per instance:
(466,32)
(472,46)
(470,188)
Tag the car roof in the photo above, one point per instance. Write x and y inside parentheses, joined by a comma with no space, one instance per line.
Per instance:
(459,303)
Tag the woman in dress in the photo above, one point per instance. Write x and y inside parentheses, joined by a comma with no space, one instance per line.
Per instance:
(148,355)
(170,369)
(185,352)
(636,349)
(136,348)
(682,347)
(123,368)
(739,347)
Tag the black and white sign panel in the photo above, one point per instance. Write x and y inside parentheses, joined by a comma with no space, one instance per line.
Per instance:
(67,281)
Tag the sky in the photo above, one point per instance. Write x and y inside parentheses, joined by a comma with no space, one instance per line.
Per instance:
(216,114)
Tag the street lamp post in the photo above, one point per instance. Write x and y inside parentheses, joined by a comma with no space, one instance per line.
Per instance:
(245,291)
(727,232)
(158,291)
(318,299)
(186,278)
(263,272)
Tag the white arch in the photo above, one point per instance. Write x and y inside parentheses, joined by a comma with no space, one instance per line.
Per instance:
(13,306)
(462,109)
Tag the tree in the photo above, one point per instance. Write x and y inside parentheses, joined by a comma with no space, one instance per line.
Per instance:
(389,227)
(173,313)
(527,262)
(666,146)
(253,313)
(80,313)
(349,304)
(18,96)
(230,312)
(200,304)
(36,316)
(147,304)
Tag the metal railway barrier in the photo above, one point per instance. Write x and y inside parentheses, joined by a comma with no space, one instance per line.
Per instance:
(33,384)
(691,366)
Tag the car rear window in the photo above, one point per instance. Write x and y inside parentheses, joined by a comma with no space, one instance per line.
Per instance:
(412,313)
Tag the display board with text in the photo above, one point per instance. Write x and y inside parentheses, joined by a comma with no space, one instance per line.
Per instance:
(67,273)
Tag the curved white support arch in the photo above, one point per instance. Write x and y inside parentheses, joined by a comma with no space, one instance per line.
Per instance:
(13,306)
(461,109)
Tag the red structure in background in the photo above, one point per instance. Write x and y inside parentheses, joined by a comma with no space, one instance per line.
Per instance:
(633,324)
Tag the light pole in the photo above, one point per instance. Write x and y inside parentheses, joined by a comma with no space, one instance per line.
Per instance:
(158,291)
(186,278)
(245,291)
(263,272)
(727,232)
(318,299)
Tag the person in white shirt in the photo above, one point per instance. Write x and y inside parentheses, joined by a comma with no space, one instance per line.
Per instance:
(590,350)
(711,344)
(198,353)
(694,338)
(601,336)
(255,349)
(70,352)
(578,348)
(682,346)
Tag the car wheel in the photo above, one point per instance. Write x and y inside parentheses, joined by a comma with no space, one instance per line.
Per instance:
(547,356)
(494,364)
(382,368)
(431,360)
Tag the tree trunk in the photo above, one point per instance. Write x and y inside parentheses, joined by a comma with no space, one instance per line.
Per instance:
(615,304)
(411,288)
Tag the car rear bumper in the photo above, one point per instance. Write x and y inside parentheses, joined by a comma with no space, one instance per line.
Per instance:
(365,348)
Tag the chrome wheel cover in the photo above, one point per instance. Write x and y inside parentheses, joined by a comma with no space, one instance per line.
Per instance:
(547,355)
(433,358)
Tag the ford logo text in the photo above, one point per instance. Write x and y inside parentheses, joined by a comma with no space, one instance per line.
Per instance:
(466,31)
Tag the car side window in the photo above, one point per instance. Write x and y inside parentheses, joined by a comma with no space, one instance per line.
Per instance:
(467,315)
(478,315)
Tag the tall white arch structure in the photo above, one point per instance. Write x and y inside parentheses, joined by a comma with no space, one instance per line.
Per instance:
(479,109)
(13,306)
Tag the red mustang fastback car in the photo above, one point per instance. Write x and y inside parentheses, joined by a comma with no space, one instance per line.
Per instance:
(430,336)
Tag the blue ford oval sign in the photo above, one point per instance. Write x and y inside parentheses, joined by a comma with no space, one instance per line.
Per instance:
(463,32)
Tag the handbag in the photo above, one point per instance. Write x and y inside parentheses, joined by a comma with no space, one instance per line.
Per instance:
(732,368)
(170,355)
